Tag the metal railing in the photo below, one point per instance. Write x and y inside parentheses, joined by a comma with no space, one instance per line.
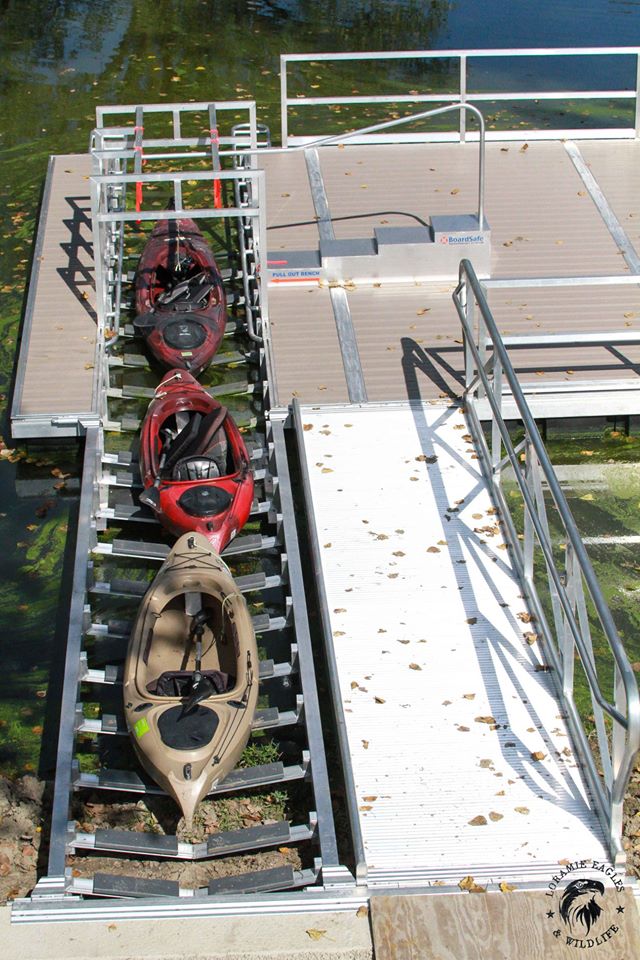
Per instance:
(179,143)
(355,135)
(574,591)
(110,214)
(463,93)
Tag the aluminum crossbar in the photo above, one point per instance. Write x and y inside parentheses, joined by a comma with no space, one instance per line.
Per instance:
(463,57)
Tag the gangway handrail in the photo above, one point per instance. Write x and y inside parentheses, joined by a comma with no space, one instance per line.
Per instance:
(484,371)
(463,56)
(340,138)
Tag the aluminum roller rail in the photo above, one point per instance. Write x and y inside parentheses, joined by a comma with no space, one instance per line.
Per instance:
(120,546)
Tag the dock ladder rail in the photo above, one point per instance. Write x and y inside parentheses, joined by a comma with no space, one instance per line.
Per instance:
(575,599)
(266,565)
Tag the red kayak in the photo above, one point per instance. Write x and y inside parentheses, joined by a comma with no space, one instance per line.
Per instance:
(180,302)
(194,464)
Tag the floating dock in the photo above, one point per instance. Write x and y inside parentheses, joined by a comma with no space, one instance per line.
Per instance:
(57,391)
(401,303)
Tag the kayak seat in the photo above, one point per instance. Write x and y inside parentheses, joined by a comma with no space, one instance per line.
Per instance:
(187,731)
(195,468)
(196,445)
(192,289)
(178,683)
(180,445)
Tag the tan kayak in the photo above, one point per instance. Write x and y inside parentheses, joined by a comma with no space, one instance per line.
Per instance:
(191,674)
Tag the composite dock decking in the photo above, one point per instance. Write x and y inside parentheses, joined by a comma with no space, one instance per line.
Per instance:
(546,223)
(461,758)
(55,384)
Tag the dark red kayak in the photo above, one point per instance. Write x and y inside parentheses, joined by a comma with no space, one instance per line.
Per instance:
(180,302)
(194,464)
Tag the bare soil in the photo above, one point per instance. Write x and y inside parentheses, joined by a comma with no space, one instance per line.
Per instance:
(23,824)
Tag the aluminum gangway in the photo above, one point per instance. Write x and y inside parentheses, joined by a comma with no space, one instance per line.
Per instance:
(460,633)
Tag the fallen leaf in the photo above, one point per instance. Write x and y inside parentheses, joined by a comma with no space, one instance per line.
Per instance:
(523,810)
(315,934)
(487,719)
(478,821)
(538,755)
(433,550)
(307,426)
(369,799)
(531,638)
(362,911)
(525,617)
(495,816)
(507,887)
(524,147)
(455,191)
(379,700)
(414,666)
(472,620)
(469,696)
(365,744)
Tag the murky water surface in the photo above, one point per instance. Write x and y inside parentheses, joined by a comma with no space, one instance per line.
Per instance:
(59,59)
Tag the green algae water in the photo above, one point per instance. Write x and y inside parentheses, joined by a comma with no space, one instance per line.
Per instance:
(59,59)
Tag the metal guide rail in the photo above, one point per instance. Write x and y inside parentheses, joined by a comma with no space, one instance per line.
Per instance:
(120,546)
(575,620)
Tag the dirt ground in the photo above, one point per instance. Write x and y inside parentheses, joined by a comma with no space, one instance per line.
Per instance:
(23,815)
(23,824)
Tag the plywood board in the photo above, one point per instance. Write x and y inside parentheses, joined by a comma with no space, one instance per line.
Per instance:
(499,926)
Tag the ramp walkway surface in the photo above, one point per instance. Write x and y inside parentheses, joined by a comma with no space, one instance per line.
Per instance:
(461,758)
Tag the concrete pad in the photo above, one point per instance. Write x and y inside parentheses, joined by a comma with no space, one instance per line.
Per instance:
(312,936)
